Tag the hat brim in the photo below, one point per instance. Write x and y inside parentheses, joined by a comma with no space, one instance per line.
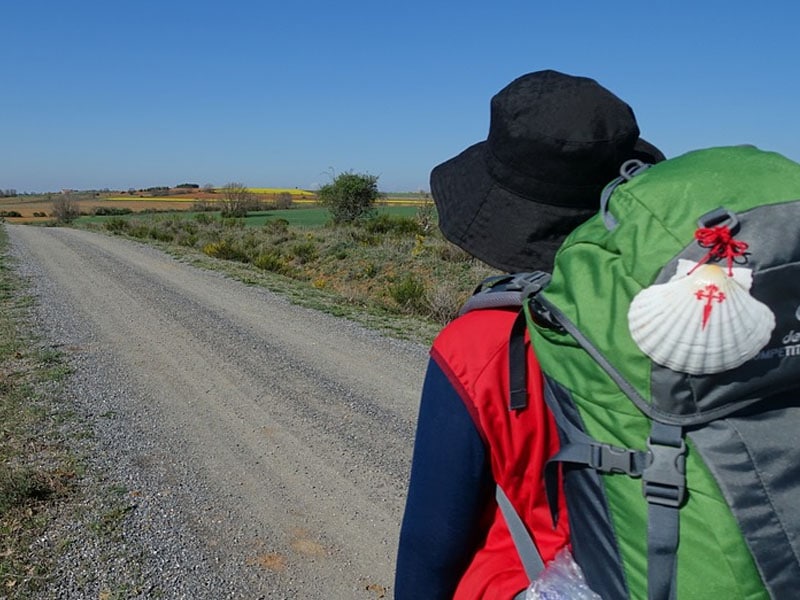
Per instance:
(496,226)
(502,229)
(646,152)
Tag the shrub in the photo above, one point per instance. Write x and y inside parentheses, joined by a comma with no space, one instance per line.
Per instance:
(364,237)
(409,293)
(370,270)
(350,196)
(283,200)
(271,261)
(452,253)
(305,251)
(160,234)
(237,200)
(203,218)
(117,225)
(232,222)
(101,211)
(444,300)
(65,208)
(204,206)
(9,213)
(393,225)
(185,238)
(225,250)
(276,226)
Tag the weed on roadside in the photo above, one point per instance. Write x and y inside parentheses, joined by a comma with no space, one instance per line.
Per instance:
(37,470)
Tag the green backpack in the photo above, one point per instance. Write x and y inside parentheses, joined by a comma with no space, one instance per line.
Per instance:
(669,336)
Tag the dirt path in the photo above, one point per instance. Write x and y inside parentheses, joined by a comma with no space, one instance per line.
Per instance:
(280,437)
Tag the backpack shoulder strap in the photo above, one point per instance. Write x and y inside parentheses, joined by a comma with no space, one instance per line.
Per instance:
(528,553)
(503,291)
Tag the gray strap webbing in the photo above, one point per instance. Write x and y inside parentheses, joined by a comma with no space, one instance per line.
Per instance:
(664,485)
(528,554)
(662,545)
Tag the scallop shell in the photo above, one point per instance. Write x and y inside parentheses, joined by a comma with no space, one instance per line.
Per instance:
(701,322)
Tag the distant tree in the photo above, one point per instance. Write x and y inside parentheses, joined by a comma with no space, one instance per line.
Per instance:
(65,207)
(237,200)
(283,200)
(350,196)
(191,186)
(208,188)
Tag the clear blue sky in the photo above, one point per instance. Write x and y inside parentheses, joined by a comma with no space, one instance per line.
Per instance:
(118,94)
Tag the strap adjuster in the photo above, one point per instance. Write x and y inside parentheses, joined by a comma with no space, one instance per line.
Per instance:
(664,477)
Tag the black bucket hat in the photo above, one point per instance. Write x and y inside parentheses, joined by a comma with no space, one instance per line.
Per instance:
(554,142)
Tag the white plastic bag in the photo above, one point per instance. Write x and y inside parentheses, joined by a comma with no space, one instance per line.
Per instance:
(562,579)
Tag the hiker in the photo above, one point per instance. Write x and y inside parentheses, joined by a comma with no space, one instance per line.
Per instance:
(554,142)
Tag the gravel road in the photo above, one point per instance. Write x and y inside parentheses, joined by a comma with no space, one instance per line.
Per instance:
(259,449)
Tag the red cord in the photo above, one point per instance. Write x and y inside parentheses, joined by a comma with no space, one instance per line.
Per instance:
(720,244)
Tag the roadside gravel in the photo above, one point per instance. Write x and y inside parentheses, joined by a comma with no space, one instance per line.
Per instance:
(239,446)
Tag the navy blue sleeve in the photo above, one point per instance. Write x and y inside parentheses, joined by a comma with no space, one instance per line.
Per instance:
(449,488)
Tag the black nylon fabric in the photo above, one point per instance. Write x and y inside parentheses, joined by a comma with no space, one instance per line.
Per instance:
(755,458)
(594,543)
(774,256)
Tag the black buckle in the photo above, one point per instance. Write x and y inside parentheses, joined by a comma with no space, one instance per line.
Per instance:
(664,478)
(610,459)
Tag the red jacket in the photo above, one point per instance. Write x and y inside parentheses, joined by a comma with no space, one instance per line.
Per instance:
(472,353)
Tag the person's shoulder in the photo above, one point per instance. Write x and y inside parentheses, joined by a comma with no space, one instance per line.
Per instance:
(477,336)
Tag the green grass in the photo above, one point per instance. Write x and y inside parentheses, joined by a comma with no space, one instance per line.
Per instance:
(296,217)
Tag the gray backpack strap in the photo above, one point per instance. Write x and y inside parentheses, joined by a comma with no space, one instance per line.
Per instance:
(664,488)
(502,291)
(531,559)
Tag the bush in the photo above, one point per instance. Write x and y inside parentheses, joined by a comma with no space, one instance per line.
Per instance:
(185,238)
(444,300)
(393,225)
(117,225)
(204,206)
(409,293)
(65,208)
(451,253)
(232,222)
(350,196)
(305,251)
(237,200)
(276,226)
(203,218)
(101,211)
(271,261)
(283,200)
(226,250)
